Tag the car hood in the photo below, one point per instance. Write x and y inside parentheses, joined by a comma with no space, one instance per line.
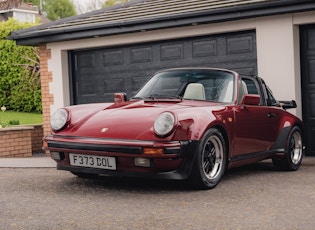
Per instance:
(132,120)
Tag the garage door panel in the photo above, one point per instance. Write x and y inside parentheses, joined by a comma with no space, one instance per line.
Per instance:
(87,89)
(109,89)
(311,71)
(113,58)
(137,82)
(85,61)
(141,55)
(312,134)
(204,48)
(171,52)
(112,85)
(88,92)
(307,38)
(241,44)
(126,68)
(311,103)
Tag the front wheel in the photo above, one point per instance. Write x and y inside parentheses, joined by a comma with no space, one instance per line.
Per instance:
(211,160)
(293,152)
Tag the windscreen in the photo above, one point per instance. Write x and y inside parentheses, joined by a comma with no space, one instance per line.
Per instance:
(216,85)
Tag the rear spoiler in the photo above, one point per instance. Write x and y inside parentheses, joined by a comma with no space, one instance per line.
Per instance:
(288,104)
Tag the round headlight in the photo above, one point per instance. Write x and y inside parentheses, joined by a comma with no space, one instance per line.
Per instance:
(164,123)
(59,119)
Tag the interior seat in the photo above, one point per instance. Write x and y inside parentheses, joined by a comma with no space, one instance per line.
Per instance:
(195,91)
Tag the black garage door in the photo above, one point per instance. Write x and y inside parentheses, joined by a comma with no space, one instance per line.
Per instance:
(98,73)
(307,34)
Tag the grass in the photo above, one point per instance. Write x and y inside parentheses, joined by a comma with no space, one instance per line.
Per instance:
(23,118)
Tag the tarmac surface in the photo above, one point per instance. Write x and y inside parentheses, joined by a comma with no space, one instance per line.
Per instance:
(34,195)
(27,162)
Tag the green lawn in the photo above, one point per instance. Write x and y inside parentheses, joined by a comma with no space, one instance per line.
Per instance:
(24,118)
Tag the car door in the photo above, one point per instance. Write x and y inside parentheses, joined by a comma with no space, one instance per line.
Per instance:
(256,126)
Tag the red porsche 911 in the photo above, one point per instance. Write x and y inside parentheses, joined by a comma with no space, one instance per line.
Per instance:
(184,124)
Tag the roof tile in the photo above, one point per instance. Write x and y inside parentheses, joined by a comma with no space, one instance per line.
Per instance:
(140,15)
(153,9)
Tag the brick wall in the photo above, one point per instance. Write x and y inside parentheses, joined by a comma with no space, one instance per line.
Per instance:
(46,78)
(21,141)
(16,142)
(37,137)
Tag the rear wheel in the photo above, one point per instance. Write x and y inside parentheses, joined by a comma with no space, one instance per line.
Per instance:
(293,153)
(211,160)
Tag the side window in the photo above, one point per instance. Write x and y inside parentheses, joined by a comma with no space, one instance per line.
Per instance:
(251,86)
(242,90)
(266,97)
(271,101)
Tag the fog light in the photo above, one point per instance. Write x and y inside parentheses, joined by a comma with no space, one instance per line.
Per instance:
(57,155)
(142,162)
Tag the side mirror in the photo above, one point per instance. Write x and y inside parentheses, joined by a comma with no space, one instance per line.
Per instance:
(288,104)
(120,98)
(250,99)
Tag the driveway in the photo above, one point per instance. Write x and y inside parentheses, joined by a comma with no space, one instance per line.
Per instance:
(251,197)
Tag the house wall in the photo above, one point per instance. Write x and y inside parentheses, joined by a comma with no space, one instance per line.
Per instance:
(276,52)
(277,55)
(25,16)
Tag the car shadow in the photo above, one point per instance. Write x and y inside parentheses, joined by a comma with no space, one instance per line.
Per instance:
(150,185)
(261,166)
(130,183)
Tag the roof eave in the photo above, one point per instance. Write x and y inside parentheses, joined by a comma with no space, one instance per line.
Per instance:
(234,13)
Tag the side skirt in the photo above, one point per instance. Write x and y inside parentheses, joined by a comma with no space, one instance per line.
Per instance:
(264,154)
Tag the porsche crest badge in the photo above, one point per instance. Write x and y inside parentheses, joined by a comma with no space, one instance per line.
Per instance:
(103,130)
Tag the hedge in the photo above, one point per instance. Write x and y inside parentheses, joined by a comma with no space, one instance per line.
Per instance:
(20,88)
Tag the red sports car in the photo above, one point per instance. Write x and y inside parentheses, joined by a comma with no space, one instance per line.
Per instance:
(184,124)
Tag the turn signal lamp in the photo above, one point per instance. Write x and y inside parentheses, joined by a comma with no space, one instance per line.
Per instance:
(45,144)
(152,151)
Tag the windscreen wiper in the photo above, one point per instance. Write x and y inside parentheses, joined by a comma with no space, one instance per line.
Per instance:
(163,96)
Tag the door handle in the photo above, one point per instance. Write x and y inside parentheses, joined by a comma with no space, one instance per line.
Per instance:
(271,115)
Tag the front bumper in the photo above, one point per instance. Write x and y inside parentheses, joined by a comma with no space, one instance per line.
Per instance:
(175,161)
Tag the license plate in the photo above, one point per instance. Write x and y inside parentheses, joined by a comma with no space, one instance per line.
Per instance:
(92,161)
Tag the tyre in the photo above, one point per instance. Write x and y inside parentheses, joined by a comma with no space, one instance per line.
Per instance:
(211,160)
(293,152)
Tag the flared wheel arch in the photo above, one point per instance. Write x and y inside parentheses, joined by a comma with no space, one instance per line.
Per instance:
(199,178)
